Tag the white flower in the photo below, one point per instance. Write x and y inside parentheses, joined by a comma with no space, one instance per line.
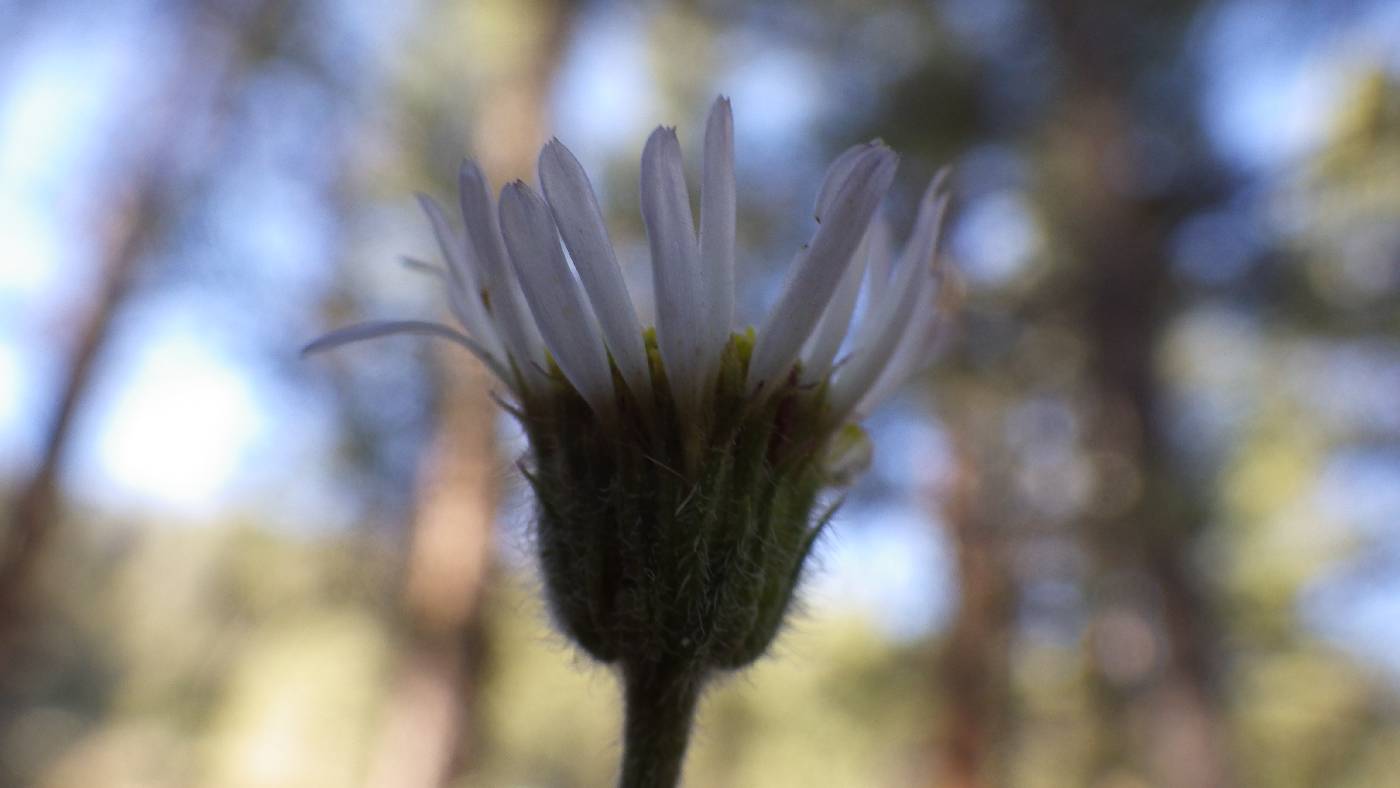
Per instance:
(680,473)
(521,302)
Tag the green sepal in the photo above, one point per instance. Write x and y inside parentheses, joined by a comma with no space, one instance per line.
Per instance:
(663,541)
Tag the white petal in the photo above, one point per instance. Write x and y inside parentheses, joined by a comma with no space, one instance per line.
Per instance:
(821,347)
(453,248)
(836,174)
(381,328)
(517,331)
(423,267)
(883,295)
(932,328)
(880,263)
(915,348)
(880,338)
(682,327)
(867,361)
(462,284)
(581,224)
(717,217)
(555,297)
(815,274)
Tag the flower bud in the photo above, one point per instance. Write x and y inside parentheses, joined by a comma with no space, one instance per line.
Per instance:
(673,542)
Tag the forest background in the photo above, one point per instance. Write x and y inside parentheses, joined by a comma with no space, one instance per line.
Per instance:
(1139,527)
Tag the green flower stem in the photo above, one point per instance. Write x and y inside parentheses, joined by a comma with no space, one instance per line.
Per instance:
(660,700)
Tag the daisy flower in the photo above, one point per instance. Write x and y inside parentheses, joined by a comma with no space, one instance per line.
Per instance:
(679,469)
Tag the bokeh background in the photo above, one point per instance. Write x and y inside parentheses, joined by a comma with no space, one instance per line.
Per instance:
(1140,527)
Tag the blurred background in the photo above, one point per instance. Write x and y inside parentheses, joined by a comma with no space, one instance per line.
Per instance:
(1140,527)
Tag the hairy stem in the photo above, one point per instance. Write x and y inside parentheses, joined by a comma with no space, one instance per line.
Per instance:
(660,703)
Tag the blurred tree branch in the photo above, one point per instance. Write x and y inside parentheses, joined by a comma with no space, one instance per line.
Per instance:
(134,205)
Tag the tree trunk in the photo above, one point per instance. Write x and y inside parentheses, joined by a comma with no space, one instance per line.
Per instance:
(1153,643)
(35,512)
(1159,703)
(975,667)
(132,208)
(430,729)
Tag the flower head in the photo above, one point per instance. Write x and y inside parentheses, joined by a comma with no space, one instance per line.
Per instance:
(679,468)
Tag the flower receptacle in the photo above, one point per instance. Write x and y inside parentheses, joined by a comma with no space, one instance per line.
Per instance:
(654,552)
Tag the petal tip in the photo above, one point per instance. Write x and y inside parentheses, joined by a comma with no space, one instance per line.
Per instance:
(938,186)
(654,139)
(553,149)
(470,171)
